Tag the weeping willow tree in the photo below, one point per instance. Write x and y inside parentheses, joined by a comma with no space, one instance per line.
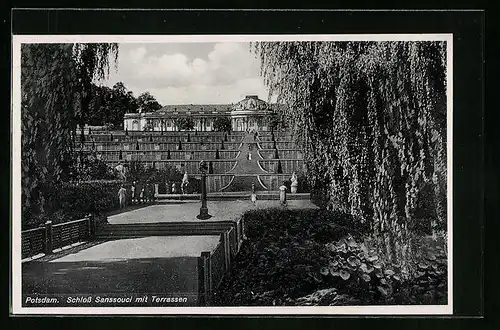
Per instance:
(56,82)
(371,118)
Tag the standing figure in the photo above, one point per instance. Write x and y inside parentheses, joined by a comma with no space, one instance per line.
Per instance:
(254,195)
(294,183)
(184,183)
(282,189)
(122,194)
(141,196)
(132,193)
(173,188)
(121,172)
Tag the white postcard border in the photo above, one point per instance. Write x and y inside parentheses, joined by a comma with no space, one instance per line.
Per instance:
(16,307)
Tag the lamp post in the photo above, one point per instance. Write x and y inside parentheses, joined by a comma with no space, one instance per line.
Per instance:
(203,209)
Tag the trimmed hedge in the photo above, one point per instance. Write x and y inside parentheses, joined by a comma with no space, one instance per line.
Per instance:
(67,201)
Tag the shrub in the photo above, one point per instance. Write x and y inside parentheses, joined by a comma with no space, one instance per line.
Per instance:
(67,201)
(327,258)
(303,183)
(77,199)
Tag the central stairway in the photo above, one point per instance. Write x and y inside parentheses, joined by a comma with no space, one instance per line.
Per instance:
(246,170)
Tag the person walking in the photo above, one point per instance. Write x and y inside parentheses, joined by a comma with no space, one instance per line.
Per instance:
(122,194)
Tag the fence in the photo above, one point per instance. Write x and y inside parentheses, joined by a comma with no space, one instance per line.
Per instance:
(50,237)
(213,265)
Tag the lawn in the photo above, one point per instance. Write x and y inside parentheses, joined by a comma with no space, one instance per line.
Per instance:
(316,257)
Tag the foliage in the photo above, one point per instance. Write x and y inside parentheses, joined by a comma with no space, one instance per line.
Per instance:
(185,123)
(222,124)
(108,105)
(75,199)
(137,172)
(88,167)
(147,103)
(303,183)
(371,118)
(326,258)
(56,87)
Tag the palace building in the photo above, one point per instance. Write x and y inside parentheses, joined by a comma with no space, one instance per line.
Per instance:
(251,113)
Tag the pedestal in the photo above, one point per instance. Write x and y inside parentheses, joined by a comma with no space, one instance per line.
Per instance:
(204,209)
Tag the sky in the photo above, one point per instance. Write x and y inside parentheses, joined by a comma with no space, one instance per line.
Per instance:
(189,73)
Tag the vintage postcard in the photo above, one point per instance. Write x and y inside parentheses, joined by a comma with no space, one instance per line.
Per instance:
(232,174)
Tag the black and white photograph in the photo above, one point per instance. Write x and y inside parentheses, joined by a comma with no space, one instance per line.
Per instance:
(232,174)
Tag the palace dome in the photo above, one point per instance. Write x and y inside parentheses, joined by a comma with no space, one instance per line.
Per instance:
(250,103)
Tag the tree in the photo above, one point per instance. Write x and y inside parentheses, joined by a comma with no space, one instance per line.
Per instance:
(185,123)
(108,105)
(222,124)
(371,118)
(56,85)
(147,103)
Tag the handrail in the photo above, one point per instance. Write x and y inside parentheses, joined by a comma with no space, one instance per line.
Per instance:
(70,222)
(32,230)
(226,186)
(261,183)
(260,166)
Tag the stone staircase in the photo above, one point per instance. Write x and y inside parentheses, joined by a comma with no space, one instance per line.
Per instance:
(135,230)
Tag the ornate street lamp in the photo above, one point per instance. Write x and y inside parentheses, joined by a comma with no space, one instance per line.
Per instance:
(203,209)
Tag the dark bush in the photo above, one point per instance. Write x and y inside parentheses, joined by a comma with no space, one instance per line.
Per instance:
(77,199)
(327,258)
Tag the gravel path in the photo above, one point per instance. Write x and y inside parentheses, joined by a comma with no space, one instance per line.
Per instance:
(145,247)
(187,211)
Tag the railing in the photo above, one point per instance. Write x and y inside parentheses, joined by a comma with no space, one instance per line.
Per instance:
(218,264)
(32,242)
(213,265)
(46,239)
(68,233)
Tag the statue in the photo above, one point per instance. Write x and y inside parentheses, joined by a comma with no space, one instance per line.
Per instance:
(122,172)
(295,183)
(184,183)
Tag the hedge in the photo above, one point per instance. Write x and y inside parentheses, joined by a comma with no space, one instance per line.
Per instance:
(72,200)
